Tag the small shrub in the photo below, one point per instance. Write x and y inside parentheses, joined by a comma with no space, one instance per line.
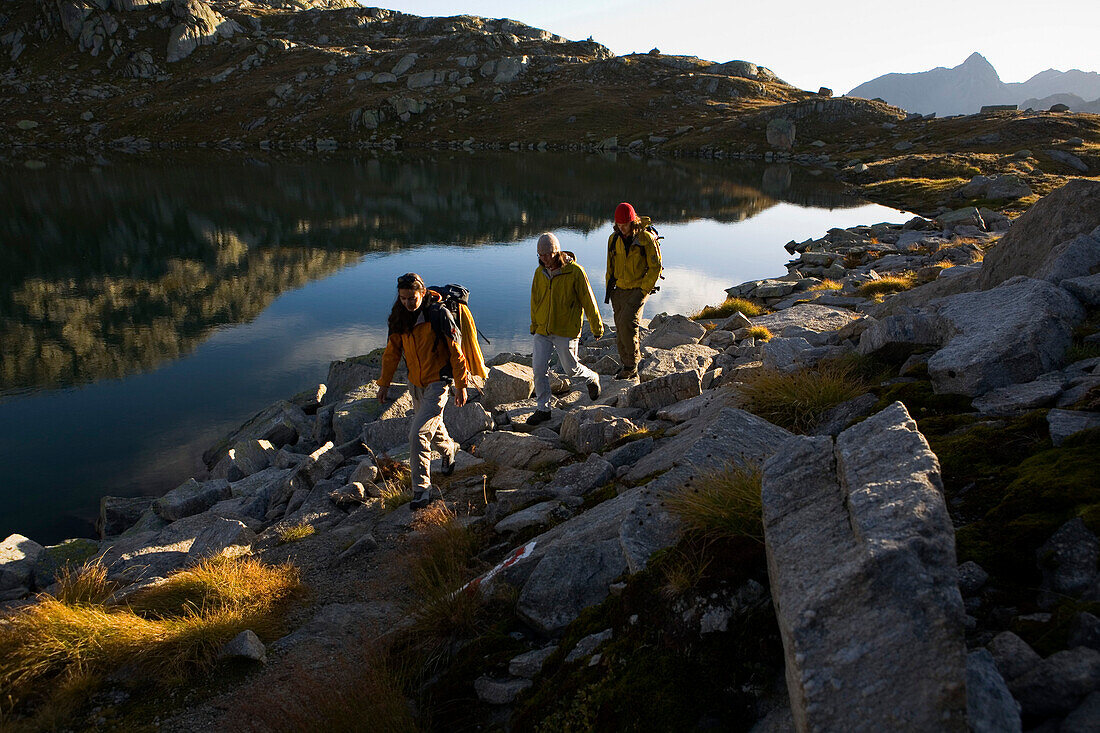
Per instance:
(760,333)
(728,308)
(295,532)
(887,284)
(721,504)
(798,400)
(827,284)
(394,496)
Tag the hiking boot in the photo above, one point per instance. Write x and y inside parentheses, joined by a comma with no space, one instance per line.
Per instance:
(538,417)
(594,390)
(625,373)
(420,500)
(447,463)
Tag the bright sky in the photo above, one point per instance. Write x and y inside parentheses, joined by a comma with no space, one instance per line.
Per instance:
(810,43)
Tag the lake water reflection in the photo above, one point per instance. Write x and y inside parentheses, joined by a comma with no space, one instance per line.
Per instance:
(147,307)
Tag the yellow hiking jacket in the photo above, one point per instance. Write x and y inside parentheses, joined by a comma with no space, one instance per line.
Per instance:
(557,302)
(636,266)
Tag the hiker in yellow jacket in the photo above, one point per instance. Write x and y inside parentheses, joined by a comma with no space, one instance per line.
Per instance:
(560,293)
(434,363)
(633,267)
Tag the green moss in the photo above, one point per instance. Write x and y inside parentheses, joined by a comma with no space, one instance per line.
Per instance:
(656,674)
(599,496)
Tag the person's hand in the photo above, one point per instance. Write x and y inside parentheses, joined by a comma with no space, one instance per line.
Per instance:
(382,394)
(460,396)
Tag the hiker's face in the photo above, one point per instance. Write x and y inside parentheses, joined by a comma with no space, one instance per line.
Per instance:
(625,228)
(411,299)
(547,259)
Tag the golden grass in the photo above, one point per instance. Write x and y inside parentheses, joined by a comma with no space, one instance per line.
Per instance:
(798,400)
(723,503)
(728,308)
(393,496)
(760,333)
(684,569)
(295,532)
(60,648)
(887,284)
(827,285)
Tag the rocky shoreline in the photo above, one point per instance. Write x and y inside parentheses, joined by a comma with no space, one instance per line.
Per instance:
(858,515)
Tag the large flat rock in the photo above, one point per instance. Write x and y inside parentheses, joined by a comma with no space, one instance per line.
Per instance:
(861,557)
(1028,337)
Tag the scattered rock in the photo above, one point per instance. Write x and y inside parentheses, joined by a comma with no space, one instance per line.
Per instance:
(245,645)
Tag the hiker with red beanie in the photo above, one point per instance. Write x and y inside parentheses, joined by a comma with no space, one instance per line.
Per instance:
(633,267)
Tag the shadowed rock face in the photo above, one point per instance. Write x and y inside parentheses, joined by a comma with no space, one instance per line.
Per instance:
(114,272)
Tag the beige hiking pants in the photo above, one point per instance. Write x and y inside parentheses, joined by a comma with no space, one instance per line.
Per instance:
(627,307)
(427,430)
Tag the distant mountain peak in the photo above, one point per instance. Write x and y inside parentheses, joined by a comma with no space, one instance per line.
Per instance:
(976,58)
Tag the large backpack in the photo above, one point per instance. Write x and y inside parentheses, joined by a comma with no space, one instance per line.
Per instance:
(453,320)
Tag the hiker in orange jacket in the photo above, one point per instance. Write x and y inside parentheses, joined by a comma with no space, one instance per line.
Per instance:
(435,362)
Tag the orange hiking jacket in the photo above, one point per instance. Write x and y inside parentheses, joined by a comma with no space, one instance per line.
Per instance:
(424,357)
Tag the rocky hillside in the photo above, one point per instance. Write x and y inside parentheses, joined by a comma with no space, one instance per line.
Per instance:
(320,74)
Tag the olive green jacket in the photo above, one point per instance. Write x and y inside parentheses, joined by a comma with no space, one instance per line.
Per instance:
(558,302)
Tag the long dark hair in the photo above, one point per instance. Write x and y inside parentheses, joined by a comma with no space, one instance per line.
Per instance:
(401,319)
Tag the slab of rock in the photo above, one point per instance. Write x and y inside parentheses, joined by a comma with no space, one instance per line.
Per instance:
(1019,397)
(191,497)
(463,423)
(572,566)
(200,25)
(518,450)
(663,391)
(1072,260)
(1029,336)
(995,187)
(735,322)
(512,478)
(861,557)
(385,435)
(507,383)
(580,478)
(1071,210)
(808,316)
(659,362)
(586,646)
(321,463)
(155,554)
(674,331)
(245,458)
(836,420)
(989,705)
(18,554)
(360,406)
(711,400)
(711,441)
(118,513)
(1059,683)
(537,515)
(1064,423)
(631,453)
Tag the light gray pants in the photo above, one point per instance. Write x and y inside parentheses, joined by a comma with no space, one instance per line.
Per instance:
(427,429)
(567,355)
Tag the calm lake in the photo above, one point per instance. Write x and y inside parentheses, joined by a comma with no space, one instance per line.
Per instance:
(149,306)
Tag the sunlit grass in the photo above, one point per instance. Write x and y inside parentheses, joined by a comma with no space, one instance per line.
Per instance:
(295,532)
(827,285)
(728,308)
(56,651)
(723,503)
(798,400)
(760,333)
(887,284)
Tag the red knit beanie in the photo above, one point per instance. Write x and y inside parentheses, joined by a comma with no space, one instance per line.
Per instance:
(624,213)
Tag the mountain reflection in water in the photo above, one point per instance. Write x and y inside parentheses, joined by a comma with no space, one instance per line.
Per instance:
(110,272)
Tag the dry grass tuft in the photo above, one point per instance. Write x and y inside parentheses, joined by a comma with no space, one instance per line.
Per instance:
(728,308)
(760,333)
(887,284)
(724,503)
(393,496)
(798,400)
(79,585)
(295,532)
(827,285)
(60,648)
(685,569)
(440,565)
